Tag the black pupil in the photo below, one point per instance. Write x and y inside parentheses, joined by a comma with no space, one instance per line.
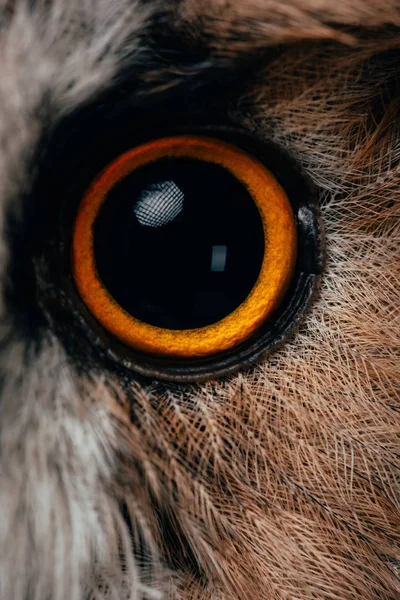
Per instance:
(179,243)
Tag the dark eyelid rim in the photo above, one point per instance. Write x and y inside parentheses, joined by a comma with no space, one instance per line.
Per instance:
(274,331)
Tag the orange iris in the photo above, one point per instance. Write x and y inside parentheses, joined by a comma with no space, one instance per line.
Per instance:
(276,269)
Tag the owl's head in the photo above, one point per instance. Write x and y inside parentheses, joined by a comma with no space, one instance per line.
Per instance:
(199,331)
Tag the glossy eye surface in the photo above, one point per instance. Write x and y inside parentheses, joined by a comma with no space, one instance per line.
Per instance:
(184,247)
(189,247)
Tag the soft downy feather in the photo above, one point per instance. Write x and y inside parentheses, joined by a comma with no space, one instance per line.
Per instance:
(278,483)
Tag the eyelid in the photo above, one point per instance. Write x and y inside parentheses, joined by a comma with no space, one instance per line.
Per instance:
(81,324)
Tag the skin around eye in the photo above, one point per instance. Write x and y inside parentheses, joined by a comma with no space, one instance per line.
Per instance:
(154,214)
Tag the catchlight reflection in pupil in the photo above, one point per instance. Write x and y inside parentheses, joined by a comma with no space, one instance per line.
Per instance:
(179,243)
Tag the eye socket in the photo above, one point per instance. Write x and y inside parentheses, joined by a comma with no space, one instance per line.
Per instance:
(184,247)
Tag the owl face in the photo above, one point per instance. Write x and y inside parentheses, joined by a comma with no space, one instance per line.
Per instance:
(266,470)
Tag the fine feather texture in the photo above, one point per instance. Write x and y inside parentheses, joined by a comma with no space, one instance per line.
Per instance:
(278,483)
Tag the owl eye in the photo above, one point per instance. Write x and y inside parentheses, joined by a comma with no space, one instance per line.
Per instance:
(183,249)
(184,246)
